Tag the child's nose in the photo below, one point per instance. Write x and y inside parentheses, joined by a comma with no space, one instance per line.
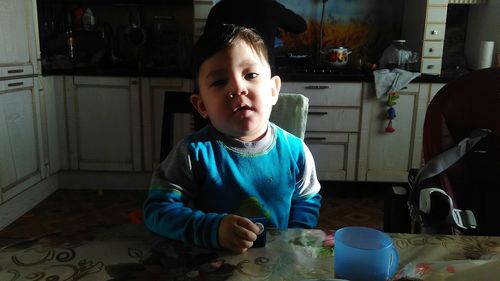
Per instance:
(237,87)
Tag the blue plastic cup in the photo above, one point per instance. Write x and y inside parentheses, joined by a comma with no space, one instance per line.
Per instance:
(363,253)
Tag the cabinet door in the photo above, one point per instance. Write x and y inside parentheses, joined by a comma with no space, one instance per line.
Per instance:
(20,147)
(104,123)
(54,122)
(388,156)
(14,32)
(154,90)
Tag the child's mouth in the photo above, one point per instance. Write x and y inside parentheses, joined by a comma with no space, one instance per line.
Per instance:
(243,110)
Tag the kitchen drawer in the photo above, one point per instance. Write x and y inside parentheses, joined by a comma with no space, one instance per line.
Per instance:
(431,66)
(434,31)
(9,71)
(334,154)
(436,15)
(201,9)
(12,84)
(432,49)
(327,94)
(437,2)
(332,119)
(468,1)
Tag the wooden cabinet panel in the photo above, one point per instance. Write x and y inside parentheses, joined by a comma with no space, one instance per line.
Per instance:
(15,32)
(334,155)
(432,49)
(388,156)
(20,147)
(332,125)
(333,119)
(326,94)
(104,123)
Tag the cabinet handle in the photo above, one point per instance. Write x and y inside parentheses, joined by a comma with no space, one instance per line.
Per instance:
(434,32)
(431,66)
(431,50)
(316,87)
(15,70)
(15,84)
(317,113)
(315,139)
(133,82)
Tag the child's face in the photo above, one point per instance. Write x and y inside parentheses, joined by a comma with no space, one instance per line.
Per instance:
(237,92)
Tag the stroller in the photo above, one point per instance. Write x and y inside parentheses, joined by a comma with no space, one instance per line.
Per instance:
(457,190)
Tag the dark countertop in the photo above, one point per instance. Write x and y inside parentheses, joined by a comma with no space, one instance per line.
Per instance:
(316,76)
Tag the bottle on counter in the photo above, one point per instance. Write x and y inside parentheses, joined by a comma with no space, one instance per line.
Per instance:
(88,20)
(71,45)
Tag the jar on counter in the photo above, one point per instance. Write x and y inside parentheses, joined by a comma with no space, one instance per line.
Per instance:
(398,55)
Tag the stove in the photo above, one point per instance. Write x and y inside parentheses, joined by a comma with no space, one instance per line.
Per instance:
(321,71)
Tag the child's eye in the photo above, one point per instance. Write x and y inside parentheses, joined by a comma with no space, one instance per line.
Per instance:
(251,75)
(217,83)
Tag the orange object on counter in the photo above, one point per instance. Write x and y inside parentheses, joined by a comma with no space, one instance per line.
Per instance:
(135,216)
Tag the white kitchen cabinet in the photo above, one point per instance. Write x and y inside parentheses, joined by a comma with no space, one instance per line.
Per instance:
(21,147)
(424,26)
(15,32)
(104,123)
(332,126)
(54,124)
(153,93)
(201,9)
(387,157)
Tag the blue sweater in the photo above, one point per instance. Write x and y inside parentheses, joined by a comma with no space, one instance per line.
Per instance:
(208,175)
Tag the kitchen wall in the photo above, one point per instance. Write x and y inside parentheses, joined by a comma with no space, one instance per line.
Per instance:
(366,27)
(483,24)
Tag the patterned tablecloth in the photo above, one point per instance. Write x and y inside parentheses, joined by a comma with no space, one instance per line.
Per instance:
(129,252)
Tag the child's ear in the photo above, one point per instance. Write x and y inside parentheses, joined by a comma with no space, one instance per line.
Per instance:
(197,102)
(275,88)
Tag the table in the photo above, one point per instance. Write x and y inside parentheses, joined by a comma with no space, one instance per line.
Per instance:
(130,252)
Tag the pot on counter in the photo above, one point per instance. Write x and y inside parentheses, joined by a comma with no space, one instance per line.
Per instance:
(338,56)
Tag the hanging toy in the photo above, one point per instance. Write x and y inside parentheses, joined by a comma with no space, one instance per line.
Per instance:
(392,97)
(391,112)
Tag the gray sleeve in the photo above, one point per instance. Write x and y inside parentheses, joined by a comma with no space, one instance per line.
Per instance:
(176,172)
(309,184)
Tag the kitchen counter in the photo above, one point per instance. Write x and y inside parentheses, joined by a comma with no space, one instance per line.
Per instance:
(348,75)
(117,72)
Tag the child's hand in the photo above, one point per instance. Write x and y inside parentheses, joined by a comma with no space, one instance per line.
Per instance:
(237,233)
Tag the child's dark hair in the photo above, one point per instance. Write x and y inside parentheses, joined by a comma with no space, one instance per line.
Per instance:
(222,37)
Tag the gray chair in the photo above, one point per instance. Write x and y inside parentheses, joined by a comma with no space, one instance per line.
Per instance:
(290,113)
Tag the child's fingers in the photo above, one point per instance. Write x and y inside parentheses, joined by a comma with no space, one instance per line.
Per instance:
(249,225)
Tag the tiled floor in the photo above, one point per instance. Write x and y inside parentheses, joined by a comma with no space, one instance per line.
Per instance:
(72,210)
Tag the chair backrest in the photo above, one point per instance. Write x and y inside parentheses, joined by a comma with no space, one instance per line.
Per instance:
(290,113)
(174,103)
(469,103)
